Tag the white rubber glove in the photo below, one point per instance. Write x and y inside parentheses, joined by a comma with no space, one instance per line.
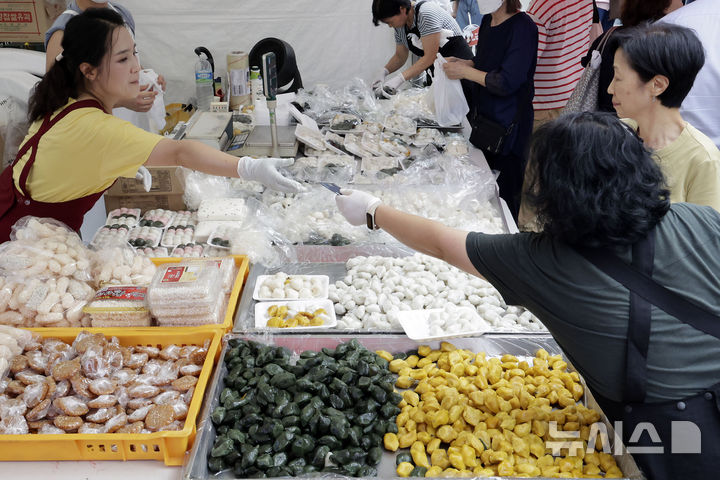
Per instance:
(393,82)
(354,205)
(264,170)
(379,78)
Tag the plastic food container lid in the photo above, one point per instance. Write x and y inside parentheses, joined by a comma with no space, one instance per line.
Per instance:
(417,326)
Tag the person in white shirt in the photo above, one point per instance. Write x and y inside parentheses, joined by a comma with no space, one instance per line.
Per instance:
(701,106)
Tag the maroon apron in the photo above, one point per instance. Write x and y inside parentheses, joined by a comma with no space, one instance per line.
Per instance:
(15,204)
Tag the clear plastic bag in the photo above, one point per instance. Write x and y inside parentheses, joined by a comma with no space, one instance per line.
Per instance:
(121,266)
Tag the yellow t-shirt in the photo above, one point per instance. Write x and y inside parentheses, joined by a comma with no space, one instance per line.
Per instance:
(691,165)
(84,153)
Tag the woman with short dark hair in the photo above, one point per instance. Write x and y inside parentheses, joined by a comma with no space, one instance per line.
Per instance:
(604,205)
(423,28)
(655,67)
(633,13)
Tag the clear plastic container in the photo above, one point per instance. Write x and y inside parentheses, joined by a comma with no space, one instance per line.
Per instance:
(176,235)
(123,216)
(119,306)
(400,124)
(353,145)
(184,218)
(215,315)
(141,237)
(375,164)
(371,143)
(186,284)
(344,123)
(310,137)
(393,146)
(109,235)
(157,217)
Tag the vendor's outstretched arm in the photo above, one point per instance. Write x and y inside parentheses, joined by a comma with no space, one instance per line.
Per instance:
(198,156)
(426,236)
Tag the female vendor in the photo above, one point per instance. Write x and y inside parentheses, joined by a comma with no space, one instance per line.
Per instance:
(628,284)
(422,28)
(75,149)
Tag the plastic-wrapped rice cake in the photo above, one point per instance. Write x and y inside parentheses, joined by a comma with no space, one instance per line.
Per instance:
(191,285)
(215,315)
(119,306)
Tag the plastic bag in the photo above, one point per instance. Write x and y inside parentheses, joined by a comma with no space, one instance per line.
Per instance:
(261,239)
(450,102)
(121,266)
(200,186)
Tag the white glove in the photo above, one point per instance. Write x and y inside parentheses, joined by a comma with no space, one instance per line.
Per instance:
(394,82)
(264,170)
(354,205)
(143,174)
(379,78)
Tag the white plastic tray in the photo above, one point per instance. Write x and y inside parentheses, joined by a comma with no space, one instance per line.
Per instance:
(261,316)
(325,282)
(411,124)
(310,137)
(416,326)
(157,230)
(132,213)
(353,145)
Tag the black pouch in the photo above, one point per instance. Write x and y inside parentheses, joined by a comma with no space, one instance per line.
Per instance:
(488,135)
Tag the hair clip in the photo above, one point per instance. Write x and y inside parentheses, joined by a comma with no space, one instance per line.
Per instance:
(59,57)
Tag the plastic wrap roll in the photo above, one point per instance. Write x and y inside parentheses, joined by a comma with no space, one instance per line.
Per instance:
(238,69)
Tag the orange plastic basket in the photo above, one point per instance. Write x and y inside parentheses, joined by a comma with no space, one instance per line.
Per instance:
(167,446)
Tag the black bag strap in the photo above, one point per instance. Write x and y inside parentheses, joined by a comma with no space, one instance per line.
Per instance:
(647,288)
(638,331)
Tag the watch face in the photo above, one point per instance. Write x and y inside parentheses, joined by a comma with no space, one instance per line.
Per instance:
(370,221)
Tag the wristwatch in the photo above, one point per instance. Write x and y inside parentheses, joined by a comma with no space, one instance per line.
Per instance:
(370,217)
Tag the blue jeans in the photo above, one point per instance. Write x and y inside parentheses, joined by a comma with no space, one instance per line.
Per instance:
(468,9)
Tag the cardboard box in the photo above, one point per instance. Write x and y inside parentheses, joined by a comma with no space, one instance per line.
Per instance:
(166,191)
(164,180)
(145,202)
(27,20)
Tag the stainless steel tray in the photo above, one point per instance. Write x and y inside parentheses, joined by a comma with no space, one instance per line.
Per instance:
(196,466)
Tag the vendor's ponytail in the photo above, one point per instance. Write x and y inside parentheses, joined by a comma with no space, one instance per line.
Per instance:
(87,39)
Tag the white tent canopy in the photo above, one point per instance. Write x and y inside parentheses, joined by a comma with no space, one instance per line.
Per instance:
(334,40)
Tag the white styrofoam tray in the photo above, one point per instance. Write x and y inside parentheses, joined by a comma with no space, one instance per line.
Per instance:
(261,315)
(417,327)
(325,284)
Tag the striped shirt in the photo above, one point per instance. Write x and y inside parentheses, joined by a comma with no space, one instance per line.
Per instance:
(563,39)
(431,20)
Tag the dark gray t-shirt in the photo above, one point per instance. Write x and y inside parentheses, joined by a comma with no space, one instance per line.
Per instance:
(587,311)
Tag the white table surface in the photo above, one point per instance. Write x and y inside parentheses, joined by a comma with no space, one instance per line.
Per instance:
(99,470)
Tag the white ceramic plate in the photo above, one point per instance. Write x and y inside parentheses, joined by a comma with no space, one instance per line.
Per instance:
(324,286)
(416,325)
(261,316)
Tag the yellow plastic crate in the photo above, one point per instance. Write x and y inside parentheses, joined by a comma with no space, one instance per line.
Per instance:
(167,446)
(243,264)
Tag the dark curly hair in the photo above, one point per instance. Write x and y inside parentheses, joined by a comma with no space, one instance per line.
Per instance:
(87,38)
(595,182)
